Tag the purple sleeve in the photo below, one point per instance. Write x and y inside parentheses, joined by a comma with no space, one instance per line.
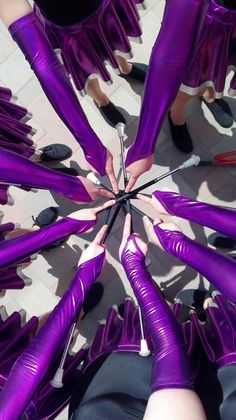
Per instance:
(217,218)
(219,269)
(171,367)
(171,55)
(16,249)
(29,35)
(15,169)
(34,363)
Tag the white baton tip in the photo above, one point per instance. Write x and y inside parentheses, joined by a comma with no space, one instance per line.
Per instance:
(144,350)
(92,177)
(56,382)
(120,129)
(193,161)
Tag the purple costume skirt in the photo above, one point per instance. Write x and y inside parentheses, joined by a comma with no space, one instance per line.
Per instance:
(12,277)
(87,47)
(215,55)
(15,134)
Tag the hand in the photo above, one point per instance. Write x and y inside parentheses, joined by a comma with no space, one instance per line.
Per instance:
(93,190)
(163,225)
(90,214)
(154,202)
(110,172)
(126,234)
(138,168)
(95,248)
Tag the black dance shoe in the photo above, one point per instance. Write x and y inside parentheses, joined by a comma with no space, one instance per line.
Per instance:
(45,218)
(220,111)
(93,297)
(55,152)
(180,136)
(138,72)
(222,242)
(193,299)
(111,114)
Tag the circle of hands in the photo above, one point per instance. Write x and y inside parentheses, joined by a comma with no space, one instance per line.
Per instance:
(97,246)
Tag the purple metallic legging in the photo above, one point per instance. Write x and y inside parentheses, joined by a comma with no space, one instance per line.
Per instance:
(171,367)
(171,55)
(29,34)
(18,170)
(34,363)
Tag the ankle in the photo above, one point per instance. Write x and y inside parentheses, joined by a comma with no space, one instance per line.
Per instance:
(102,100)
(126,69)
(208,99)
(177,119)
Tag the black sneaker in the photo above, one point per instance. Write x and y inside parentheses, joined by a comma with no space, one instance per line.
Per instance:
(93,297)
(55,152)
(193,299)
(180,136)
(138,72)
(221,241)
(221,112)
(68,171)
(111,114)
(46,217)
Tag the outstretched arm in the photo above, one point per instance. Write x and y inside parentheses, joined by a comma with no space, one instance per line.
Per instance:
(170,58)
(219,269)
(24,26)
(172,377)
(215,217)
(17,170)
(15,250)
(31,367)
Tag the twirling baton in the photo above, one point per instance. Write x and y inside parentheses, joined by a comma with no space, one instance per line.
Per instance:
(193,161)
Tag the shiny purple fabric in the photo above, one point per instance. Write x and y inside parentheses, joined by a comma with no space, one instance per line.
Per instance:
(33,364)
(14,130)
(5,93)
(170,57)
(11,278)
(5,228)
(218,218)
(11,109)
(219,269)
(18,170)
(96,40)
(215,53)
(29,34)
(14,339)
(171,367)
(47,401)
(218,333)
(16,249)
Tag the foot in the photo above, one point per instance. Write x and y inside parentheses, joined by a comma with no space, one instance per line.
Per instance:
(138,72)
(111,114)
(55,152)
(194,299)
(68,171)
(93,297)
(46,217)
(223,242)
(180,136)
(221,112)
